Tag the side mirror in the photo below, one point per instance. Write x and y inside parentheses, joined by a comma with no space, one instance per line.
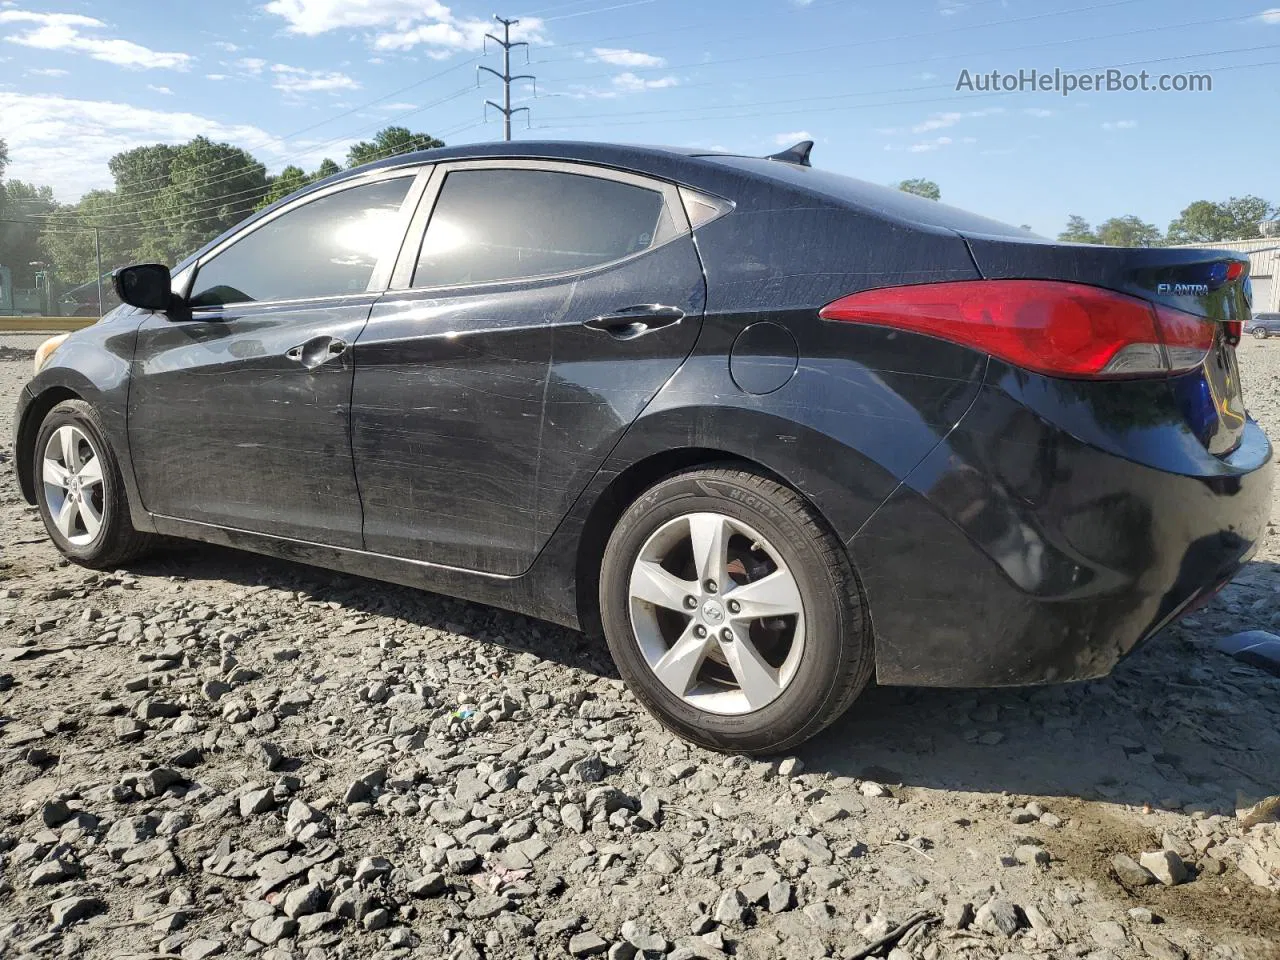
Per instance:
(145,285)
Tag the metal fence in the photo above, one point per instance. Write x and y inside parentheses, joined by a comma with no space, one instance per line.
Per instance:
(57,271)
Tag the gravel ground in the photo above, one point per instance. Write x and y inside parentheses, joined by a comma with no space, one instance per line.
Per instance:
(216,754)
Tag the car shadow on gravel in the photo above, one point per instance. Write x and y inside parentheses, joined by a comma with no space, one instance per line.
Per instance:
(358,597)
(1177,724)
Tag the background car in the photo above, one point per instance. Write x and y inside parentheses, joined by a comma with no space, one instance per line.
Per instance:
(1263,325)
(770,430)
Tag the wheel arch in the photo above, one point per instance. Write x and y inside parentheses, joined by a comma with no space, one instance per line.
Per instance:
(29,427)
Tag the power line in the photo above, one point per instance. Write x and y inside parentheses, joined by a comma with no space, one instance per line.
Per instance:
(507,44)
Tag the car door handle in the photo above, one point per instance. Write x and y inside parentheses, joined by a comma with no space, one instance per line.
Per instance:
(631,322)
(317,351)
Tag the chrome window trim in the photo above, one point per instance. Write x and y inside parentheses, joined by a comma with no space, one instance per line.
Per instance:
(407,264)
(382,271)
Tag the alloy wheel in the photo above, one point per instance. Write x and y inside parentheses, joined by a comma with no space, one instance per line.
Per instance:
(74,488)
(717,614)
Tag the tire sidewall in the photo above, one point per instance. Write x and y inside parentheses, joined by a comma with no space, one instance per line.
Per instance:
(826,612)
(76,414)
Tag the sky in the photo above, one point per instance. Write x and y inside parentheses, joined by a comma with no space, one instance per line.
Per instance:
(876,85)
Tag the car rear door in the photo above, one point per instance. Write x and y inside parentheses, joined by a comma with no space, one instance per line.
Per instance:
(536,309)
(239,409)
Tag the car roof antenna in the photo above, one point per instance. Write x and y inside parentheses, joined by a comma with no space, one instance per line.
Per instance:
(799,154)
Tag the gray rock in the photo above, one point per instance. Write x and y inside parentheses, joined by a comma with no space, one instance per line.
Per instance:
(1166,866)
(72,910)
(51,872)
(790,767)
(257,801)
(214,690)
(303,901)
(662,861)
(372,868)
(642,936)
(1130,872)
(586,945)
(429,885)
(571,817)
(730,908)
(270,930)
(781,897)
(201,948)
(998,917)
(483,908)
(54,813)
(958,915)
(1031,855)
(1110,935)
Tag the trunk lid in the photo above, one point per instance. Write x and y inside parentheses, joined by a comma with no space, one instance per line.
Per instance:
(1206,283)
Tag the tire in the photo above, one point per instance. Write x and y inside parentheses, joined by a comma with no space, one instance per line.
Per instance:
(1261,333)
(805,668)
(94,528)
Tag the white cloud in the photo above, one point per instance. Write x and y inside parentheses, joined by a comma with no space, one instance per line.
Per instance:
(297,80)
(252,65)
(48,72)
(1038,112)
(224,46)
(155,89)
(1270,16)
(66,142)
(403,24)
(630,83)
(928,146)
(941,121)
(64,32)
(627,58)
(314,17)
(1119,124)
(216,76)
(789,139)
(949,8)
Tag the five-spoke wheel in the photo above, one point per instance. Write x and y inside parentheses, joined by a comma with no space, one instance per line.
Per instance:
(79,489)
(73,489)
(732,611)
(717,613)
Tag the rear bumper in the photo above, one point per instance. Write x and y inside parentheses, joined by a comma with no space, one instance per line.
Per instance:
(1018,554)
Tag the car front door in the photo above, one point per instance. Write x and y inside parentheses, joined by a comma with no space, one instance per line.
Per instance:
(546,305)
(239,409)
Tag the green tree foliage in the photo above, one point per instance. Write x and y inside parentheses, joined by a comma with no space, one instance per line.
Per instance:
(328,168)
(4,163)
(1078,231)
(20,243)
(1128,231)
(1208,222)
(211,188)
(293,178)
(921,188)
(390,142)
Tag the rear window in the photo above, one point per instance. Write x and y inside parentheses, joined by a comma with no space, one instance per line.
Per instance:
(887,202)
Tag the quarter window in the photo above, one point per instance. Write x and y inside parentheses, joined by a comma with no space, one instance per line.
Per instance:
(325,248)
(492,225)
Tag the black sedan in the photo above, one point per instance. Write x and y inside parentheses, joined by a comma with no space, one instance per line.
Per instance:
(769,430)
(1263,326)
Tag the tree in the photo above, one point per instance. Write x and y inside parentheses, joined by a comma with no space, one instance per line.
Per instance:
(289,180)
(20,243)
(4,163)
(390,142)
(328,168)
(212,187)
(921,188)
(1207,222)
(1128,231)
(1078,231)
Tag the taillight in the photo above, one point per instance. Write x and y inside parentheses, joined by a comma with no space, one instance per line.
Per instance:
(1061,329)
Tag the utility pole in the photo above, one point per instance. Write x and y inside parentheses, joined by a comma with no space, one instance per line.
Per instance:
(505,76)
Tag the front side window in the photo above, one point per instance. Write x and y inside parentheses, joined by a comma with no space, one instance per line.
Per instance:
(325,248)
(492,225)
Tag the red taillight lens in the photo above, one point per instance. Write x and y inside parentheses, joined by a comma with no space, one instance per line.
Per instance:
(1061,329)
